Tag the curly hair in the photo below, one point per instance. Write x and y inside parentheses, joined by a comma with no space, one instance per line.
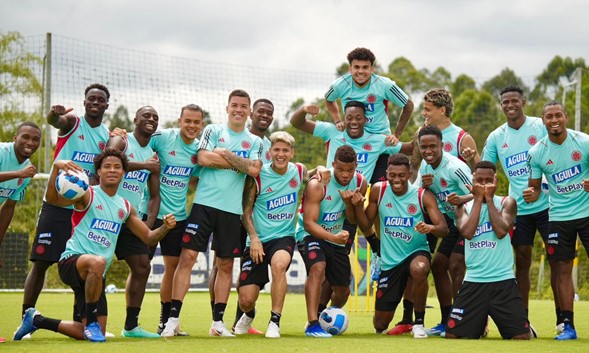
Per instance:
(99,87)
(111,152)
(440,98)
(361,54)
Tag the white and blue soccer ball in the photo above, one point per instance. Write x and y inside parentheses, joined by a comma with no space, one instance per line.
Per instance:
(111,288)
(72,186)
(334,320)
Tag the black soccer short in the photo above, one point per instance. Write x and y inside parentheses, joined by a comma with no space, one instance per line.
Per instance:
(392,283)
(524,228)
(476,301)
(449,241)
(562,237)
(69,275)
(352,230)
(128,244)
(171,244)
(253,273)
(338,271)
(380,169)
(459,246)
(54,228)
(225,227)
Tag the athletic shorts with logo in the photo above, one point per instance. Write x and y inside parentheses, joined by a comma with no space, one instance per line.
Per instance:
(338,271)
(225,227)
(562,238)
(524,229)
(253,273)
(54,228)
(128,244)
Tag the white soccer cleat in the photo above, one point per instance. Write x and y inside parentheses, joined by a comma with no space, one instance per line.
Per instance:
(273,330)
(243,325)
(172,327)
(218,329)
(418,331)
(558,329)
(109,334)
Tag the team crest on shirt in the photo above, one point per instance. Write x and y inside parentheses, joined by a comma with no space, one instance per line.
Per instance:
(101,145)
(448,147)
(293,183)
(576,156)
(268,157)
(20,181)
(412,209)
(367,147)
(121,213)
(532,140)
(194,159)
(443,182)
(371,98)
(246,144)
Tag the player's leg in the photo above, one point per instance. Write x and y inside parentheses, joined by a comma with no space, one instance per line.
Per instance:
(508,312)
(338,272)
(391,285)
(457,266)
(314,259)
(34,284)
(252,278)
(522,242)
(468,317)
(419,270)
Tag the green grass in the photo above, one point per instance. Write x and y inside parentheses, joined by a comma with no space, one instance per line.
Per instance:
(196,319)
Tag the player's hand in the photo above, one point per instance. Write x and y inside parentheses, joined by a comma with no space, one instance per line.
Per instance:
(424,228)
(59,110)
(341,237)
(454,199)
(467,153)
(68,166)
(169,221)
(586,185)
(391,140)
(153,165)
(346,195)
(122,133)
(490,191)
(478,191)
(357,198)
(28,171)
(323,175)
(427,180)
(311,109)
(530,195)
(257,250)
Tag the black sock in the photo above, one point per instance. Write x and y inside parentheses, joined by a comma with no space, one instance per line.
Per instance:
(238,314)
(558,317)
(419,317)
(24,308)
(132,319)
(445,310)
(320,309)
(175,307)
(42,322)
(165,312)
(568,318)
(219,311)
(213,305)
(91,312)
(407,311)
(374,243)
(314,322)
(76,315)
(275,317)
(251,314)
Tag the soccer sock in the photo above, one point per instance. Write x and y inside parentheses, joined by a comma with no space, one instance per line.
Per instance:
(175,307)
(213,305)
(320,309)
(76,314)
(219,311)
(251,314)
(165,312)
(568,317)
(42,322)
(407,311)
(558,317)
(275,317)
(238,313)
(419,317)
(374,243)
(25,307)
(314,322)
(91,312)
(445,310)
(131,321)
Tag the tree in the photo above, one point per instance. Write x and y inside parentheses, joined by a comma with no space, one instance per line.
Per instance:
(506,77)
(119,119)
(462,83)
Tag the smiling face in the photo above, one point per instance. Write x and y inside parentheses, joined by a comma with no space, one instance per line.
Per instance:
(433,114)
(190,123)
(512,104)
(430,147)
(555,120)
(361,71)
(262,117)
(355,120)
(146,121)
(111,171)
(26,142)
(398,177)
(281,153)
(238,110)
(95,103)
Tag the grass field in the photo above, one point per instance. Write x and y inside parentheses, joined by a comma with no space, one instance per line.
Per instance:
(196,319)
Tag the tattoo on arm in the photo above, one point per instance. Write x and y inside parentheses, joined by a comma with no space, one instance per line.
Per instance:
(237,162)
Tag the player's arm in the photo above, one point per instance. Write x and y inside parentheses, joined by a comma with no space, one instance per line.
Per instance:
(348,196)
(366,220)
(467,223)
(323,174)
(193,183)
(155,198)
(439,227)
(404,118)
(313,196)
(299,118)
(211,159)
(244,165)
(333,111)
(53,197)
(468,151)
(6,213)
(249,199)
(140,229)
(27,172)
(502,222)
(532,193)
(415,157)
(59,118)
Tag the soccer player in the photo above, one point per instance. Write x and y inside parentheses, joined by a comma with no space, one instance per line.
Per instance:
(563,158)
(16,170)
(227,153)
(400,207)
(489,287)
(141,182)
(79,139)
(320,225)
(509,144)
(270,205)
(449,179)
(97,219)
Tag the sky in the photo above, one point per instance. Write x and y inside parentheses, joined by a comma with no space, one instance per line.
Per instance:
(475,37)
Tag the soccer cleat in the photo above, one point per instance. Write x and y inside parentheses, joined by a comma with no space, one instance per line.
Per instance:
(400,329)
(559,328)
(437,330)
(171,328)
(254,331)
(375,267)
(218,329)
(568,333)
(160,328)
(2,340)
(273,330)
(181,333)
(138,332)
(316,331)
(418,331)
(109,334)
(533,333)
(93,332)
(26,326)
(243,325)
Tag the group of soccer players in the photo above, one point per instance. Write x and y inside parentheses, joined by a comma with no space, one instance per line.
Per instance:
(247,193)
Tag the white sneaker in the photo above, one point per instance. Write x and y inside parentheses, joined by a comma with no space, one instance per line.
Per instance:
(171,328)
(559,328)
(273,330)
(533,333)
(109,334)
(243,325)
(418,331)
(218,329)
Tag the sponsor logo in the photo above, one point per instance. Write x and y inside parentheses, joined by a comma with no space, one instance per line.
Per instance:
(83,157)
(389,205)
(281,201)
(103,224)
(178,171)
(369,108)
(505,145)
(362,158)
(517,172)
(99,207)
(269,190)
(44,235)
(221,140)
(458,310)
(398,235)
(242,154)
(483,244)
(483,228)
(550,162)
(566,174)
(284,216)
(552,235)
(441,196)
(138,175)
(6,193)
(173,153)
(100,239)
(328,198)
(81,137)
(517,158)
(332,216)
(173,183)
(130,187)
(404,222)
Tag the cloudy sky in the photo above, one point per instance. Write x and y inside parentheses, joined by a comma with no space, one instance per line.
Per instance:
(478,38)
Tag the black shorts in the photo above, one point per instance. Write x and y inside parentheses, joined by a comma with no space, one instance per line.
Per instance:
(524,228)
(459,247)
(225,227)
(562,238)
(380,169)
(338,271)
(476,301)
(352,229)
(171,244)
(243,237)
(128,244)
(54,228)
(392,283)
(69,275)
(253,273)
(449,241)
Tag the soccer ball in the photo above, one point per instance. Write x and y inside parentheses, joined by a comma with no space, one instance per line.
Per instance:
(111,288)
(72,186)
(334,320)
